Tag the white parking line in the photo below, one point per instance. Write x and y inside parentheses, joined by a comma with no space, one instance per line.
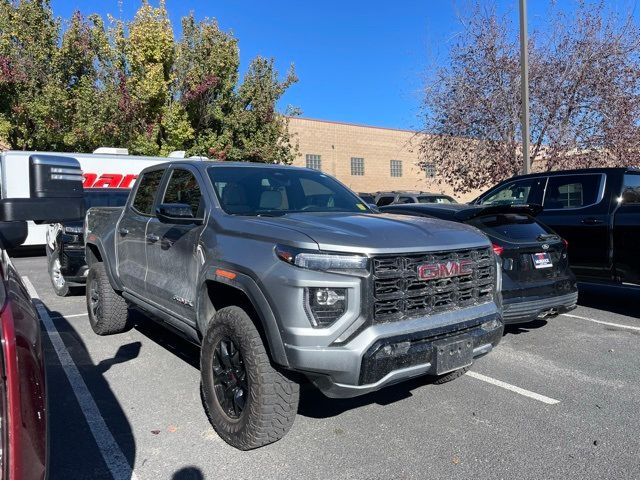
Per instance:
(513,388)
(109,448)
(618,325)
(60,315)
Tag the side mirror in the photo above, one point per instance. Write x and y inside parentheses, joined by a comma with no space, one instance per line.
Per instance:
(178,213)
(13,234)
(56,193)
(373,207)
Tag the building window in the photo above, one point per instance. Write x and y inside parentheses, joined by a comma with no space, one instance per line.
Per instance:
(314,161)
(430,170)
(357,166)
(396,168)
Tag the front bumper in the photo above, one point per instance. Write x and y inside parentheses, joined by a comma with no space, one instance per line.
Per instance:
(371,361)
(74,265)
(522,310)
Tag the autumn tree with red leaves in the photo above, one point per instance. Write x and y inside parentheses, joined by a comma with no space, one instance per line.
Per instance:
(584,77)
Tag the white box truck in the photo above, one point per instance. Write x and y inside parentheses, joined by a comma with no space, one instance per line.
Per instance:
(105,167)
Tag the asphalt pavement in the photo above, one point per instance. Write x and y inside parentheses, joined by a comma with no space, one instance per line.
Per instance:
(556,399)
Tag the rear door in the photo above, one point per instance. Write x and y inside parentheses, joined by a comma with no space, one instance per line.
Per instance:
(626,231)
(576,207)
(131,231)
(173,259)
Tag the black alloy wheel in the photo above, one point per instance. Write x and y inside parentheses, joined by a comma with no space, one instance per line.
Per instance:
(93,295)
(230,378)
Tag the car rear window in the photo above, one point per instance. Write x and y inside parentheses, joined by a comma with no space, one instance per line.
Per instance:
(511,226)
(572,191)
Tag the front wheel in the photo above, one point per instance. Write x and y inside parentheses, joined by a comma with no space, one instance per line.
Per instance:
(58,282)
(248,401)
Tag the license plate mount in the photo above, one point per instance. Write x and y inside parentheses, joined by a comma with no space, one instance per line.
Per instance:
(541,260)
(452,353)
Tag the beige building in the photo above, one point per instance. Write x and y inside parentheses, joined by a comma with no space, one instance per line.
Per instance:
(365,158)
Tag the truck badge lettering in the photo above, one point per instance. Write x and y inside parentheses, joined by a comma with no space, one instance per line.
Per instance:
(432,271)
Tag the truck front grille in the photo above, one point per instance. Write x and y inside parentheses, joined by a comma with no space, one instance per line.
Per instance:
(399,293)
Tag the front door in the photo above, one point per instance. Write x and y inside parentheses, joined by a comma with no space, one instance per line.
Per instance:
(577,209)
(172,250)
(131,232)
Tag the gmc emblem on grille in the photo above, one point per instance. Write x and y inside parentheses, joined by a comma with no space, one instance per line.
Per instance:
(431,271)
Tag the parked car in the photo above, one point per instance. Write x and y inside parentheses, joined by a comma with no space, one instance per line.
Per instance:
(281,271)
(597,210)
(55,196)
(368,198)
(536,279)
(388,198)
(65,241)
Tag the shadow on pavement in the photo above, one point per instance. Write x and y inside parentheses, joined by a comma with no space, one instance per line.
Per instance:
(519,328)
(188,473)
(620,300)
(73,452)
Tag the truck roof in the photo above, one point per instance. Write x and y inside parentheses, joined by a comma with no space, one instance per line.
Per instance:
(575,171)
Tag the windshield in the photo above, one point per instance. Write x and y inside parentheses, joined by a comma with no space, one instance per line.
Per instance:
(107,198)
(278,191)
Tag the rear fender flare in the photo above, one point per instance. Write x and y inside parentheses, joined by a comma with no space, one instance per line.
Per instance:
(96,243)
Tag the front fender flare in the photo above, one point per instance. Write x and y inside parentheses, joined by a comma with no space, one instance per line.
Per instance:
(250,288)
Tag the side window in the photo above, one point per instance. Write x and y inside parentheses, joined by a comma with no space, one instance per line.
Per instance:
(631,190)
(520,192)
(146,192)
(385,200)
(405,200)
(572,191)
(183,188)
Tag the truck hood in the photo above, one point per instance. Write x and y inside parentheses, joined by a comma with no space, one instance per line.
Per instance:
(379,233)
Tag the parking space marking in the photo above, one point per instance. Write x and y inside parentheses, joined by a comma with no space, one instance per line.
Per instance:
(618,325)
(109,448)
(70,316)
(513,388)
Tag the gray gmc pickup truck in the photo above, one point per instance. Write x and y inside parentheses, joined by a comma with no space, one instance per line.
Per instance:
(281,273)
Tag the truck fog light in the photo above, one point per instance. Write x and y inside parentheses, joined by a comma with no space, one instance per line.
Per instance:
(325,305)
(394,349)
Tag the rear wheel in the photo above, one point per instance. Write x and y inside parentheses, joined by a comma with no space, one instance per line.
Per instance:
(248,401)
(58,281)
(108,311)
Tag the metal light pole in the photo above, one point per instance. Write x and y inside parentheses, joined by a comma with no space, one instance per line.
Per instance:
(524,85)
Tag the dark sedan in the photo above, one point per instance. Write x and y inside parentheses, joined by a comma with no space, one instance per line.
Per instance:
(536,279)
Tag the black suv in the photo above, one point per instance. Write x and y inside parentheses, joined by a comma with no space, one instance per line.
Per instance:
(65,242)
(597,210)
(536,279)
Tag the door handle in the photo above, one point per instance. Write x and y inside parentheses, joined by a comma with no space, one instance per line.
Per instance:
(153,238)
(123,231)
(591,221)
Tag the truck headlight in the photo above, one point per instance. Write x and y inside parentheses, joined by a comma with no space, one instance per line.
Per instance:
(325,305)
(326,262)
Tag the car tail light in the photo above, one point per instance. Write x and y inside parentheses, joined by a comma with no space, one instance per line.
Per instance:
(10,417)
(566,243)
(497,249)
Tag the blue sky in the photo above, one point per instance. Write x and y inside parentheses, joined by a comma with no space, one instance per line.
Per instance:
(358,61)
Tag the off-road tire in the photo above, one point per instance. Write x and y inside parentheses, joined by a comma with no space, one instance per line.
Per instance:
(63,290)
(272,399)
(447,377)
(113,315)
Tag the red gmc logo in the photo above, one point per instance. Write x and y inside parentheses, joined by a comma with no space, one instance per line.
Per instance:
(110,180)
(431,271)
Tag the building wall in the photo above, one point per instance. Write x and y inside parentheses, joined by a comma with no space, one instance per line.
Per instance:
(337,143)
